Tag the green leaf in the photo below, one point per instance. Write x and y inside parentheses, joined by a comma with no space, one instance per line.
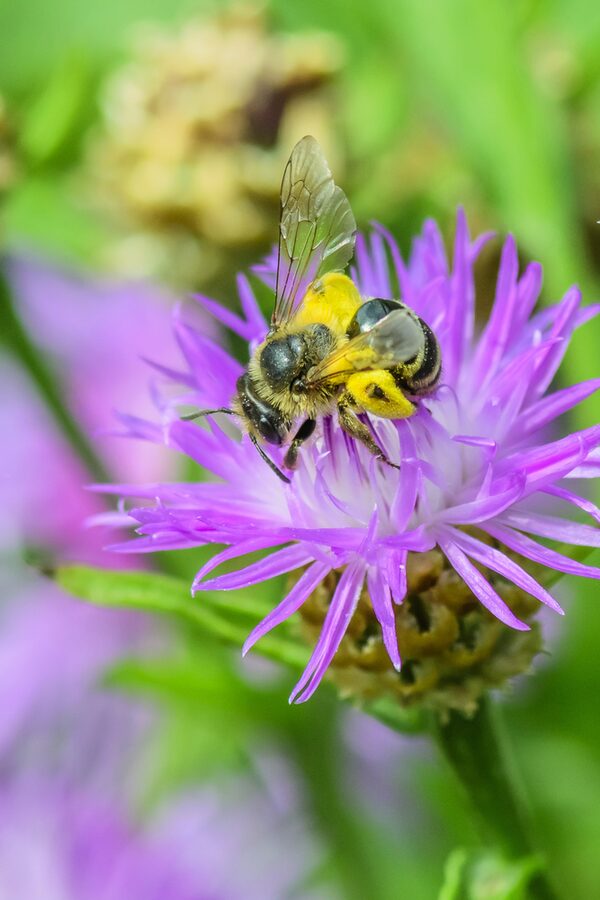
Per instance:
(454,875)
(135,590)
(487,876)
(390,713)
(469,66)
(55,117)
(41,211)
(165,595)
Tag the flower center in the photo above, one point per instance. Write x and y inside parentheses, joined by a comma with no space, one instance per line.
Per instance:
(452,648)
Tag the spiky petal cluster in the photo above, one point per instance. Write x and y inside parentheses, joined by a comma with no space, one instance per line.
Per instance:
(483,474)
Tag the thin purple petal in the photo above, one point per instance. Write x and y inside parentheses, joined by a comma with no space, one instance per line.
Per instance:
(545,411)
(581,502)
(530,549)
(480,586)
(381,598)
(503,565)
(341,610)
(225,316)
(301,591)
(277,563)
(552,527)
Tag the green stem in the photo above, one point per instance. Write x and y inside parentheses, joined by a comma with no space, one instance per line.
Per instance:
(19,344)
(319,752)
(477,753)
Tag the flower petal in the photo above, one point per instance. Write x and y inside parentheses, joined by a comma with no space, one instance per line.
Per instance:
(400,270)
(480,586)
(563,327)
(277,563)
(341,610)
(529,288)
(225,316)
(215,371)
(552,527)
(396,575)
(486,507)
(496,334)
(549,462)
(530,549)
(503,565)
(252,311)
(581,502)
(381,599)
(301,591)
(554,405)
(241,548)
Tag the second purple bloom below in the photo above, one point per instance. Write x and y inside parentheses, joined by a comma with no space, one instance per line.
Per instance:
(420,582)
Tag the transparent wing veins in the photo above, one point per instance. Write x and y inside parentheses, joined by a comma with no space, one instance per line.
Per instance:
(396,339)
(316,227)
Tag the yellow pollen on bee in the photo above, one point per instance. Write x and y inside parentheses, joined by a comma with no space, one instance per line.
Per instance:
(377,393)
(331,300)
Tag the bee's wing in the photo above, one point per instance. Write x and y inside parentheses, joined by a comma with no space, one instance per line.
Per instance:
(397,338)
(316,227)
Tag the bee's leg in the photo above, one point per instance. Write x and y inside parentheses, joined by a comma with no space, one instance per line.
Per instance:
(355,428)
(303,433)
(377,392)
(268,459)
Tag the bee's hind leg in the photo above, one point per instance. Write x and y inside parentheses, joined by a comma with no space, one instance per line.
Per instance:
(355,428)
(303,434)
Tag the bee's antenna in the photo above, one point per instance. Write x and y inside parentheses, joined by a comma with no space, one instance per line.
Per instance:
(269,461)
(206,412)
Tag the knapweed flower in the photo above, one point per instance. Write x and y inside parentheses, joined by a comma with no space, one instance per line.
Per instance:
(438,563)
(194,133)
(76,760)
(60,844)
(91,332)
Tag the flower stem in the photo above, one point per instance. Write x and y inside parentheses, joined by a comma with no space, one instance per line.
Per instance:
(319,751)
(477,753)
(20,345)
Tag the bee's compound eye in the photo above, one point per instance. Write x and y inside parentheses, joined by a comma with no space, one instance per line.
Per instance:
(269,431)
(280,359)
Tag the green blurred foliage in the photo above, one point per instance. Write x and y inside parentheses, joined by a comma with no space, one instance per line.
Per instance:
(492,105)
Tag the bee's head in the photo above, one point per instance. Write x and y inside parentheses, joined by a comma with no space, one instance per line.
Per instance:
(282,360)
(266,421)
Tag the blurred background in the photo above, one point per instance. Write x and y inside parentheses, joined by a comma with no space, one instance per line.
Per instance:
(141,150)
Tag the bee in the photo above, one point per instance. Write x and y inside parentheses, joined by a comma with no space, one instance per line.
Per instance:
(328,349)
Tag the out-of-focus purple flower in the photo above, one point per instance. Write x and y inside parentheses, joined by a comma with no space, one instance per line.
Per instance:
(261,825)
(92,333)
(52,651)
(71,753)
(479,479)
(53,648)
(61,844)
(73,768)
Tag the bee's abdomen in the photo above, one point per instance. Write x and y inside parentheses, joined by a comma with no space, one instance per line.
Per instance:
(428,373)
(416,376)
(369,314)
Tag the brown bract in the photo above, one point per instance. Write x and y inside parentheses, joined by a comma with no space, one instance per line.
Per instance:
(196,130)
(452,648)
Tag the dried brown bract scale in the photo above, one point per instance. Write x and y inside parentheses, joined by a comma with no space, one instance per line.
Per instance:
(452,648)
(196,130)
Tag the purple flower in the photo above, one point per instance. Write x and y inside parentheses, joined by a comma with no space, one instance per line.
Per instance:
(72,753)
(57,843)
(76,759)
(92,333)
(63,841)
(481,477)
